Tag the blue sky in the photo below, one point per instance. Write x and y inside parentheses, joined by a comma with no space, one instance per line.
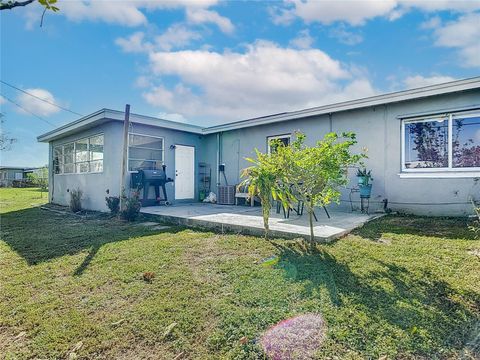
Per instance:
(210,61)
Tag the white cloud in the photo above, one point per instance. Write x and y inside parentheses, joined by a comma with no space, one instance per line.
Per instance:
(344,36)
(173,117)
(329,11)
(2,100)
(264,79)
(462,34)
(358,12)
(36,106)
(134,43)
(177,36)
(417,81)
(129,12)
(431,23)
(116,12)
(303,41)
(203,16)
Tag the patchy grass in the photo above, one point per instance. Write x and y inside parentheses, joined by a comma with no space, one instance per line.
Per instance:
(401,288)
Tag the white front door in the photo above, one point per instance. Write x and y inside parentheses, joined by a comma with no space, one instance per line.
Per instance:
(184,172)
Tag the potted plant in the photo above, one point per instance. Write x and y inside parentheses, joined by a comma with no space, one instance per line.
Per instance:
(364,177)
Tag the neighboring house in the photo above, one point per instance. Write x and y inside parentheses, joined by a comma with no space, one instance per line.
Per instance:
(11,174)
(423,148)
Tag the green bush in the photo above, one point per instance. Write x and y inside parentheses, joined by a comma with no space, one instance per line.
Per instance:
(76,200)
(131,207)
(113,203)
(475,227)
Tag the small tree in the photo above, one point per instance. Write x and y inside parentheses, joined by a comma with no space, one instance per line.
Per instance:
(39,178)
(264,179)
(316,173)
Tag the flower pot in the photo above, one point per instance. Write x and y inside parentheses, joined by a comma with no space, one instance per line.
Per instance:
(361,180)
(365,190)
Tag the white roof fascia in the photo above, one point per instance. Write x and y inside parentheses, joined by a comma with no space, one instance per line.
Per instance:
(108,115)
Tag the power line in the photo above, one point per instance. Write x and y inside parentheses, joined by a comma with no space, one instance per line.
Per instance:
(28,111)
(39,98)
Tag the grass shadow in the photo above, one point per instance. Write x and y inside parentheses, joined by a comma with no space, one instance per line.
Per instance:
(430,317)
(38,235)
(441,227)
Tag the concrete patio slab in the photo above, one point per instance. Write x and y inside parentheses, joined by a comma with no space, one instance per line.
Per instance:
(248,220)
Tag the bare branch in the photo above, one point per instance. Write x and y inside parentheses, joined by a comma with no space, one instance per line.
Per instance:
(13,4)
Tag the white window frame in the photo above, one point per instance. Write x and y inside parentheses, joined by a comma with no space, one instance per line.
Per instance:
(140,147)
(274,137)
(62,145)
(448,171)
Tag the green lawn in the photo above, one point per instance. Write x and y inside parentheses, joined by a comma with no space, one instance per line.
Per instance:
(400,288)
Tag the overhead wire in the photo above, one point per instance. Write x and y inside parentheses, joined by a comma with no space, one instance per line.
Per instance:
(28,111)
(39,98)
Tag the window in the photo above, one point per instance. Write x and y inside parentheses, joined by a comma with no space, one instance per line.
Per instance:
(96,153)
(443,143)
(82,156)
(68,158)
(271,145)
(466,141)
(144,152)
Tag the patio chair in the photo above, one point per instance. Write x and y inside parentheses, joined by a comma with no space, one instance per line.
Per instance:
(298,209)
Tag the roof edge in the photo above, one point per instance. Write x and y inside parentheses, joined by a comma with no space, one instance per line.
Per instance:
(115,115)
(397,96)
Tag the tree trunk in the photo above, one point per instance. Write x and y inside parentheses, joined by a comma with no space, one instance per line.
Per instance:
(266,215)
(310,219)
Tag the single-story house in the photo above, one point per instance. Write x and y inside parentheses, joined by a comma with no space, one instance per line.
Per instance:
(423,149)
(15,175)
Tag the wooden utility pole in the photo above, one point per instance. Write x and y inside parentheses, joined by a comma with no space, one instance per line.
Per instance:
(126,125)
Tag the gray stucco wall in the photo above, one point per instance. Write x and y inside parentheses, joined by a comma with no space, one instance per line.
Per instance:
(95,185)
(379,130)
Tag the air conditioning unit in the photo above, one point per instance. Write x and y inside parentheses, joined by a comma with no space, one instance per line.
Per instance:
(226,195)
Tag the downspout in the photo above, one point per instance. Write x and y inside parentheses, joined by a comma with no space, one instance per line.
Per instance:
(51,173)
(218,160)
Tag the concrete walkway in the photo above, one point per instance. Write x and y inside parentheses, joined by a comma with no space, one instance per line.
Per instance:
(248,220)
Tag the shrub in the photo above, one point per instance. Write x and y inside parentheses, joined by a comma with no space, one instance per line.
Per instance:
(113,203)
(76,200)
(475,227)
(131,207)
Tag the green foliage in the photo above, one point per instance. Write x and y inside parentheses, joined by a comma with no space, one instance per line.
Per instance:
(49,5)
(39,178)
(263,179)
(316,173)
(475,227)
(131,207)
(365,174)
(76,200)
(113,203)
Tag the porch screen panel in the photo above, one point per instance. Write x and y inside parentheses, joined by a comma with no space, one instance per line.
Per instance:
(96,153)
(81,155)
(68,158)
(144,152)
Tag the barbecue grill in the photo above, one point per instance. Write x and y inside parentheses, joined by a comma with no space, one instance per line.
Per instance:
(156,178)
